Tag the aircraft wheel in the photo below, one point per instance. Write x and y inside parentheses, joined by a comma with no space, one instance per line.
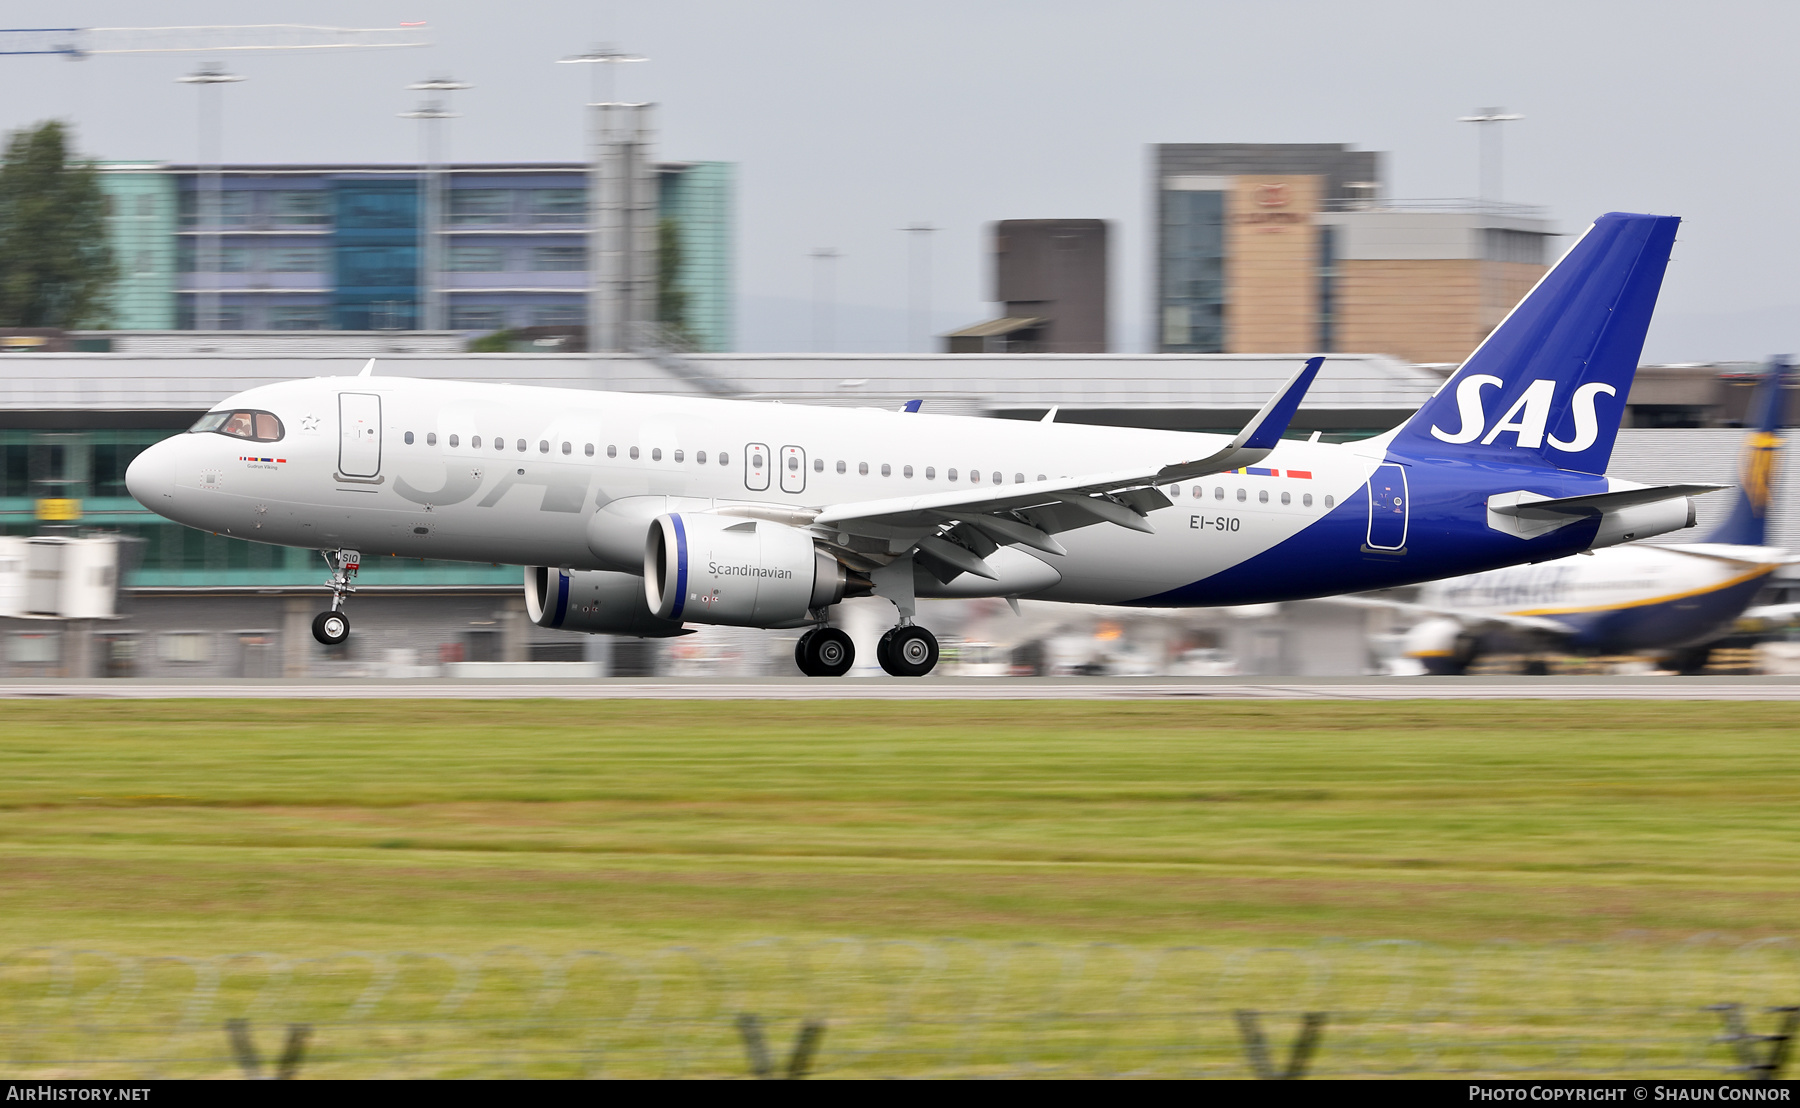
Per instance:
(331,628)
(800,652)
(1690,661)
(828,652)
(908,652)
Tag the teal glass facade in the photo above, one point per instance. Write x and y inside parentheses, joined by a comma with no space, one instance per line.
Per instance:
(141,221)
(698,197)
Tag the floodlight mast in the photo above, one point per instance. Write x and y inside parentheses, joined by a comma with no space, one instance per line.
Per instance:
(605,314)
(433,157)
(824,297)
(208,195)
(1487,119)
(919,286)
(602,57)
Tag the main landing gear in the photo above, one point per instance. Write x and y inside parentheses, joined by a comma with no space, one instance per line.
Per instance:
(824,652)
(333,627)
(905,651)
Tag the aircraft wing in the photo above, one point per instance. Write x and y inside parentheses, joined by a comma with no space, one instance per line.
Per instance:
(1735,555)
(1472,620)
(1030,513)
(1773,613)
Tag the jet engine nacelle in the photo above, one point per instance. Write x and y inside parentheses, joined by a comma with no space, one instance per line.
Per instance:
(740,572)
(593,600)
(1641,521)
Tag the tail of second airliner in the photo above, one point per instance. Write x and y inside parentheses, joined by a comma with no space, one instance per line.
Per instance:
(1549,384)
(1747,525)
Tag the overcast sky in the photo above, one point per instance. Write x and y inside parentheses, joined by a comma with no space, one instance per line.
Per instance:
(850,120)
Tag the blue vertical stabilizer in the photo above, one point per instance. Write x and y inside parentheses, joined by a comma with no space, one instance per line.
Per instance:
(1748,524)
(1549,384)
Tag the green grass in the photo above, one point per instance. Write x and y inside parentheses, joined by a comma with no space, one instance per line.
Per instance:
(209,825)
(314,828)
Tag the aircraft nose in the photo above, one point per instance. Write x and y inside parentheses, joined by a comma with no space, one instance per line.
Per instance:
(150,478)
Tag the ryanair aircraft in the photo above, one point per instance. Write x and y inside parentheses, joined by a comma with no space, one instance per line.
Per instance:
(640,515)
(1673,601)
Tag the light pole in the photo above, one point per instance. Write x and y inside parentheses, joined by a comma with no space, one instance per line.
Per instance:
(430,114)
(206,197)
(918,244)
(1488,120)
(600,59)
(824,258)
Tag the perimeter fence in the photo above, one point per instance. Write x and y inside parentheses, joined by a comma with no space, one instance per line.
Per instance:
(1706,1008)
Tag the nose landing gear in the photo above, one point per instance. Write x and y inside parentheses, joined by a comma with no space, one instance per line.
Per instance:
(333,627)
(907,651)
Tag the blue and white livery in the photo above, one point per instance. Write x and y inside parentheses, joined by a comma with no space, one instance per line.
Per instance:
(1673,601)
(642,515)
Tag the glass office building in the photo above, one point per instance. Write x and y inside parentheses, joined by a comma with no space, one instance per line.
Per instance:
(338,247)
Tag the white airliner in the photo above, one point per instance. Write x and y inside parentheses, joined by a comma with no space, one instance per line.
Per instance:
(640,514)
(1672,601)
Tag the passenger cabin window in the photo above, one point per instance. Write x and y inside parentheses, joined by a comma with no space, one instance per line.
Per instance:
(569,448)
(634,453)
(862,469)
(656,453)
(1262,497)
(1242,496)
(475,441)
(589,449)
(724,458)
(680,454)
(930,473)
(818,465)
(409,438)
(455,440)
(1329,501)
(886,470)
(951,474)
(255,426)
(1306,499)
(431,438)
(906,471)
(543,446)
(522,446)
(699,457)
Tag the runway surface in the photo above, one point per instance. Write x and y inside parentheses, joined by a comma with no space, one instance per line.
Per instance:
(949,688)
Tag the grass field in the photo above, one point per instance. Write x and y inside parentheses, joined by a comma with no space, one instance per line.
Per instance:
(314,827)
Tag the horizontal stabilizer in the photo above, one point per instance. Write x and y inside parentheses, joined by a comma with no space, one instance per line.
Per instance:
(1526,505)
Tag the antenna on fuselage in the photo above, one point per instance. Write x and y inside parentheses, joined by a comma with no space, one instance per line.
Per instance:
(368,370)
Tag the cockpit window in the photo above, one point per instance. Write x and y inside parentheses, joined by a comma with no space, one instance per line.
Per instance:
(255,426)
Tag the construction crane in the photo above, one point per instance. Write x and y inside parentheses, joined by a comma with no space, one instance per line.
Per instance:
(85,42)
